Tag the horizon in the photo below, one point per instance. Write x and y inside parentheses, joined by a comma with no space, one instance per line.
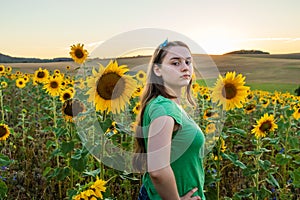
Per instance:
(146,55)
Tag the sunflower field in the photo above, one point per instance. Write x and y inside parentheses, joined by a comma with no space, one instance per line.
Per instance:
(66,135)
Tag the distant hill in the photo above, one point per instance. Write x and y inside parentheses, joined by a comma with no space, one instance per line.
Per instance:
(247,52)
(9,59)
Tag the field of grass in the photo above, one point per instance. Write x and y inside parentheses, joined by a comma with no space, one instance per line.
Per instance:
(265,72)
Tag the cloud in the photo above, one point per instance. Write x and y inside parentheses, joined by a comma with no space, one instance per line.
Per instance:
(285,39)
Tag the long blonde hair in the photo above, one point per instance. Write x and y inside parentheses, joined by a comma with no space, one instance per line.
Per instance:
(153,88)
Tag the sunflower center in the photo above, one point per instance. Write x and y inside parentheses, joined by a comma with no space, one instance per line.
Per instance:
(229,91)
(110,86)
(250,96)
(73,108)
(141,75)
(66,96)
(266,126)
(78,53)
(20,82)
(41,74)
(3,131)
(250,107)
(54,84)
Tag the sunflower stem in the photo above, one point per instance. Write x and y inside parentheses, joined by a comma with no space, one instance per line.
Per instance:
(257,158)
(2,109)
(102,148)
(56,142)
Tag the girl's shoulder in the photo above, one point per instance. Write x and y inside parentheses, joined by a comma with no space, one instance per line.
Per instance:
(160,99)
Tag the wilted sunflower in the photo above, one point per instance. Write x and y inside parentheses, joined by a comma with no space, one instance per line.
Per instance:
(264,125)
(53,86)
(141,76)
(41,75)
(20,83)
(78,53)
(230,91)
(110,89)
(4,131)
(71,108)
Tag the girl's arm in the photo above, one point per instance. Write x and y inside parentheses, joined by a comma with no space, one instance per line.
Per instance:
(159,151)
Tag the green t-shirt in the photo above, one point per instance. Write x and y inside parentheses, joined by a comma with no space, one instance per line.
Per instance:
(186,147)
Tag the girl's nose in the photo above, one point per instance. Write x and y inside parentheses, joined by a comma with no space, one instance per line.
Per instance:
(184,67)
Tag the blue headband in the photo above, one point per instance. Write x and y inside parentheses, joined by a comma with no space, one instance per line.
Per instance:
(163,44)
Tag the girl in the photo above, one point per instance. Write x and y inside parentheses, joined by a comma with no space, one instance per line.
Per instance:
(168,141)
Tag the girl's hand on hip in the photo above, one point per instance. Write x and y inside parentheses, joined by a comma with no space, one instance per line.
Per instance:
(188,196)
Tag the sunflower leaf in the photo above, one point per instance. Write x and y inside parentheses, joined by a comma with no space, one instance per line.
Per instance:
(4,160)
(3,189)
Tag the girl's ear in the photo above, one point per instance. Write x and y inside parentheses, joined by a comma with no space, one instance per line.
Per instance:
(156,70)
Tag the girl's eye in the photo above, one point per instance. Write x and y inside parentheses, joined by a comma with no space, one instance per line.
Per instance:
(187,62)
(176,63)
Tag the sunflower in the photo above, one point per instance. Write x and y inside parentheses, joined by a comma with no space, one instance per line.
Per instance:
(53,86)
(4,131)
(195,89)
(209,113)
(68,67)
(26,78)
(4,84)
(223,146)
(67,94)
(264,125)
(78,54)
(20,83)
(8,69)
(2,69)
(138,91)
(98,187)
(141,76)
(71,108)
(206,97)
(136,108)
(41,75)
(250,108)
(110,89)
(210,128)
(296,114)
(264,102)
(112,130)
(80,83)
(230,91)
(250,96)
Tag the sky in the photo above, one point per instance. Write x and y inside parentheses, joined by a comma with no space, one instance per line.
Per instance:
(47,28)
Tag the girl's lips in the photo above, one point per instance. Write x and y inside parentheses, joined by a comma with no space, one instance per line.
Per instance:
(186,76)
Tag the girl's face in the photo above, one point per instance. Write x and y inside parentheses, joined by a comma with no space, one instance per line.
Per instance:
(176,69)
